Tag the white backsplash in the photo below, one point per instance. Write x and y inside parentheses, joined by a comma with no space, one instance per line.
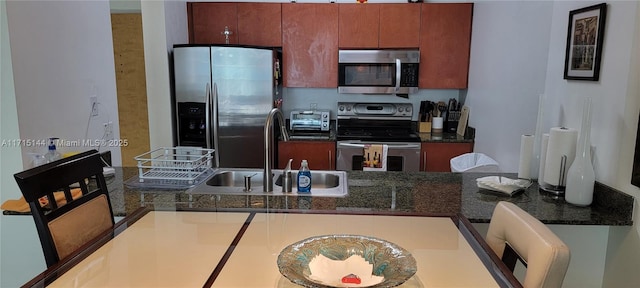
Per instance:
(327,98)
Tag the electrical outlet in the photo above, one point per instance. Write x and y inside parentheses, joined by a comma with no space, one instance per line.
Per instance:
(313,106)
(108,130)
(94,105)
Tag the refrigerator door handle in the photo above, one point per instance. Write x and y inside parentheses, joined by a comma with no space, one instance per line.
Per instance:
(207,115)
(214,120)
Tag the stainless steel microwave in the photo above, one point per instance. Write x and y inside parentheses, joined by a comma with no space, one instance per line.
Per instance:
(378,71)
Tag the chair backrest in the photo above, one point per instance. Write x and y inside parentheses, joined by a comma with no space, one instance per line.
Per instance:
(513,230)
(64,227)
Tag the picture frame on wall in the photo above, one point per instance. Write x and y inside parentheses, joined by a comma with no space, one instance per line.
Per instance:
(585,37)
(635,170)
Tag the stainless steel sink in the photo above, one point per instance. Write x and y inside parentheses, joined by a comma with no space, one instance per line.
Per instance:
(319,180)
(231,181)
(235,178)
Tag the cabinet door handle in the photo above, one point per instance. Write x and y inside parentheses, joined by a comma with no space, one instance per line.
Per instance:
(424,160)
(330,162)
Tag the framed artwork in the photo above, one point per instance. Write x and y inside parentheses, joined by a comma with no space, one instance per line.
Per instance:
(584,43)
(635,172)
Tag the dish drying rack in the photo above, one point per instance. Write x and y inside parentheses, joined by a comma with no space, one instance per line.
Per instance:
(176,166)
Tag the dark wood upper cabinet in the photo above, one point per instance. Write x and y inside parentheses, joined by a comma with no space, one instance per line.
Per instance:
(257,24)
(379,26)
(445,42)
(310,34)
(310,45)
(260,24)
(207,22)
(359,25)
(399,25)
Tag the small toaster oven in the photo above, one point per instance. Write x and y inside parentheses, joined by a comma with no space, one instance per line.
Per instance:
(309,120)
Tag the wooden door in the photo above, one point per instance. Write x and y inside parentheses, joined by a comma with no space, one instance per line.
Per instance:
(436,157)
(321,155)
(259,24)
(399,26)
(310,45)
(207,22)
(445,44)
(128,54)
(359,25)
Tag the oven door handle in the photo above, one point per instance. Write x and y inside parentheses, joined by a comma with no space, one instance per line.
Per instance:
(390,146)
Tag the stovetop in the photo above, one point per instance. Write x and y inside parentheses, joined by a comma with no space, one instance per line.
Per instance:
(376,130)
(375,122)
(377,135)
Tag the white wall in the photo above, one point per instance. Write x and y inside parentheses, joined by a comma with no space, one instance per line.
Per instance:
(10,163)
(517,52)
(57,65)
(608,95)
(614,121)
(125,6)
(509,48)
(10,156)
(57,55)
(157,40)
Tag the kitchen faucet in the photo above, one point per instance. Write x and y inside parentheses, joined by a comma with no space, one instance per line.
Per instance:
(267,179)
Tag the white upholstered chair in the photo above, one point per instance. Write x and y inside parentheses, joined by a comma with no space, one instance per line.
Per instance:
(514,234)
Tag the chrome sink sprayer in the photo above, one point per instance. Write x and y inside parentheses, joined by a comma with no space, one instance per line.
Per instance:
(267,180)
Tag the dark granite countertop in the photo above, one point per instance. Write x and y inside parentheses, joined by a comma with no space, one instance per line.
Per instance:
(424,137)
(392,193)
(468,136)
(444,137)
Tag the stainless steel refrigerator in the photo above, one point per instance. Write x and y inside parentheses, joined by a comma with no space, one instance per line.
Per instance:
(222,97)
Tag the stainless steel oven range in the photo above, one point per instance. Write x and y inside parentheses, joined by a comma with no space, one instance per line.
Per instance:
(363,124)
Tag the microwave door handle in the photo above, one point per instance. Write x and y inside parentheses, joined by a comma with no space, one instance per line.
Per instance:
(398,70)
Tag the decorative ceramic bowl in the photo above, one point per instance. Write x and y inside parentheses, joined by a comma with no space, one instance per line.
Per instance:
(389,260)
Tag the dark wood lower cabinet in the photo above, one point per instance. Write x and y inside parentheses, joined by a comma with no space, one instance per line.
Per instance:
(436,157)
(321,155)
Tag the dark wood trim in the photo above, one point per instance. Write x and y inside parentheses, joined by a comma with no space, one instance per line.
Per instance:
(500,272)
(190,22)
(52,273)
(227,254)
(331,212)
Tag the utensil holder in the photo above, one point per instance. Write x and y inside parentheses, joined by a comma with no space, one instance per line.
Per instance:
(438,125)
(451,122)
(425,127)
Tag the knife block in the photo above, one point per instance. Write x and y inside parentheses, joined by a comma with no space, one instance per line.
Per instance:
(424,127)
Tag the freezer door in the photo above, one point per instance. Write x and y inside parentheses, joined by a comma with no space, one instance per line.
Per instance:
(245,81)
(192,72)
(192,75)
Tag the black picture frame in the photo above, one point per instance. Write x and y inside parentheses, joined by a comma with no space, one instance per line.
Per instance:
(585,38)
(635,170)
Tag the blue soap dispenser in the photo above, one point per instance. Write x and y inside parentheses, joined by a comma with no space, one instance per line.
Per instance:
(304,178)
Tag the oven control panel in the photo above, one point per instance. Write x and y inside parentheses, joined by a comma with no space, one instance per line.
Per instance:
(374,110)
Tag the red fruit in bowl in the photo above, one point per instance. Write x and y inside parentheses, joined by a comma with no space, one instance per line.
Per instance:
(351,279)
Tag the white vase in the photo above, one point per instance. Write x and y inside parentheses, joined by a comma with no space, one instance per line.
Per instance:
(581,177)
